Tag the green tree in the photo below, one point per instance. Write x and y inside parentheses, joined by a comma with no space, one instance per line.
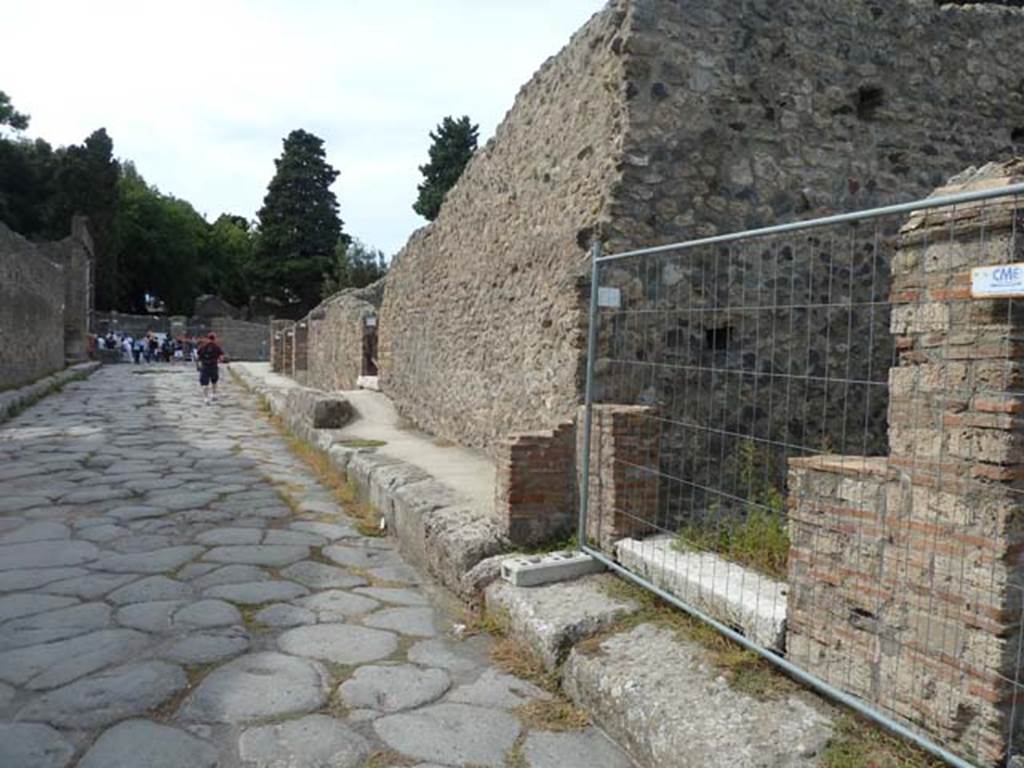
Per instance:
(228,252)
(11,117)
(299,226)
(356,266)
(28,172)
(87,183)
(453,145)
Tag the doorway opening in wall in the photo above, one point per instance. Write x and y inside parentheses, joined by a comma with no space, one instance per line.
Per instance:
(369,367)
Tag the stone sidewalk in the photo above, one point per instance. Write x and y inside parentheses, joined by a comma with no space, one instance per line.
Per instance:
(176,589)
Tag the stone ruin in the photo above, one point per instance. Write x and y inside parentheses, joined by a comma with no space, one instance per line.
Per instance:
(45,303)
(664,121)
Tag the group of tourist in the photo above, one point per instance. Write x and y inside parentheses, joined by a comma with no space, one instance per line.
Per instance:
(204,352)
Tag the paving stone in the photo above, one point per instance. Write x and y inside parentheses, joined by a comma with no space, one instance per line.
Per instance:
(21,503)
(314,741)
(392,689)
(150,589)
(137,512)
(453,734)
(91,586)
(50,665)
(257,592)
(6,697)
(397,574)
(27,604)
(166,559)
(586,748)
(41,531)
(301,538)
(195,570)
(96,493)
(339,643)
(109,696)
(364,557)
(31,745)
(143,543)
(320,576)
(46,554)
(175,501)
(154,484)
(99,534)
(285,616)
(258,554)
(443,654)
(230,574)
(206,614)
(495,689)
(219,536)
(256,687)
(330,531)
(417,622)
(336,604)
(154,616)
(393,595)
(31,578)
(320,507)
(207,647)
(54,625)
(135,743)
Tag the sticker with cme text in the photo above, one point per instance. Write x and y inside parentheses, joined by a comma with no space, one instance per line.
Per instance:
(609,297)
(1000,280)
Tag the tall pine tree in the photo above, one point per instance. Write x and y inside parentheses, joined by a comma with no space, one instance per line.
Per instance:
(298,224)
(454,145)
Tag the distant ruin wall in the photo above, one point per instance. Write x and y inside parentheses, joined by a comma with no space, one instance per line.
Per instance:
(31,312)
(338,329)
(240,339)
(663,121)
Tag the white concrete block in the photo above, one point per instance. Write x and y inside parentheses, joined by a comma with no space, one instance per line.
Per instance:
(531,570)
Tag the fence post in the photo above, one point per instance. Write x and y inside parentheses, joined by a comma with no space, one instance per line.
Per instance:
(581,528)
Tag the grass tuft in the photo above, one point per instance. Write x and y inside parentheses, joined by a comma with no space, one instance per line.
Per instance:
(556,715)
(860,744)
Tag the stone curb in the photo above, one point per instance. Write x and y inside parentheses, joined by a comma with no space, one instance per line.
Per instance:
(15,400)
(437,530)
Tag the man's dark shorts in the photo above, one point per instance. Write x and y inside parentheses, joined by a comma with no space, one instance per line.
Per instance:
(208,374)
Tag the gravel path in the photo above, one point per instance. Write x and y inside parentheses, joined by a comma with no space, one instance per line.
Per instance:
(177,589)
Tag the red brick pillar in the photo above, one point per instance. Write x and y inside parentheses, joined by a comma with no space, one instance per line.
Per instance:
(623,487)
(905,571)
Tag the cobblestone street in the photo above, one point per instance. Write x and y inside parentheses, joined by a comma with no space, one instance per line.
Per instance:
(177,589)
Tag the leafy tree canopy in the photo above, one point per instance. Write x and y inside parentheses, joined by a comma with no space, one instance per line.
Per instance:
(454,143)
(299,227)
(11,117)
(357,266)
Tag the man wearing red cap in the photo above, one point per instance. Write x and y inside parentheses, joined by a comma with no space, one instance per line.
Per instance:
(209,355)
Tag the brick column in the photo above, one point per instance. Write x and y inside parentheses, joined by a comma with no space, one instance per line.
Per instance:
(300,349)
(624,455)
(288,354)
(905,575)
(277,336)
(535,488)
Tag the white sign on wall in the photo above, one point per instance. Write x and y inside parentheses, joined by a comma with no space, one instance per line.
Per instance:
(999,280)
(371,322)
(609,297)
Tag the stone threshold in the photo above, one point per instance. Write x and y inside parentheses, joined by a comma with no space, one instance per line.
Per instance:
(442,531)
(749,602)
(13,401)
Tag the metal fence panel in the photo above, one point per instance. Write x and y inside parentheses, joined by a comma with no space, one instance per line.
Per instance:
(808,436)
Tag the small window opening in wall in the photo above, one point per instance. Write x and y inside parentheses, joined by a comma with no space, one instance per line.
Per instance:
(869,99)
(1017,135)
(718,338)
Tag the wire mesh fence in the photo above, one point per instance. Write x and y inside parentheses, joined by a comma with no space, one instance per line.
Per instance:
(812,435)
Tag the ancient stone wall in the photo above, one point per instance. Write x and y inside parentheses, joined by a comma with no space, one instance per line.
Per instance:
(663,121)
(32,295)
(76,256)
(241,339)
(904,571)
(481,331)
(338,331)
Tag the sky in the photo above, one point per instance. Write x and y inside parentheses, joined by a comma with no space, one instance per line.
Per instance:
(200,93)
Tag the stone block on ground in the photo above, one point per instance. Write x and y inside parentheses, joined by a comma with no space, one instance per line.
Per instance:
(553,618)
(331,413)
(733,594)
(663,700)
